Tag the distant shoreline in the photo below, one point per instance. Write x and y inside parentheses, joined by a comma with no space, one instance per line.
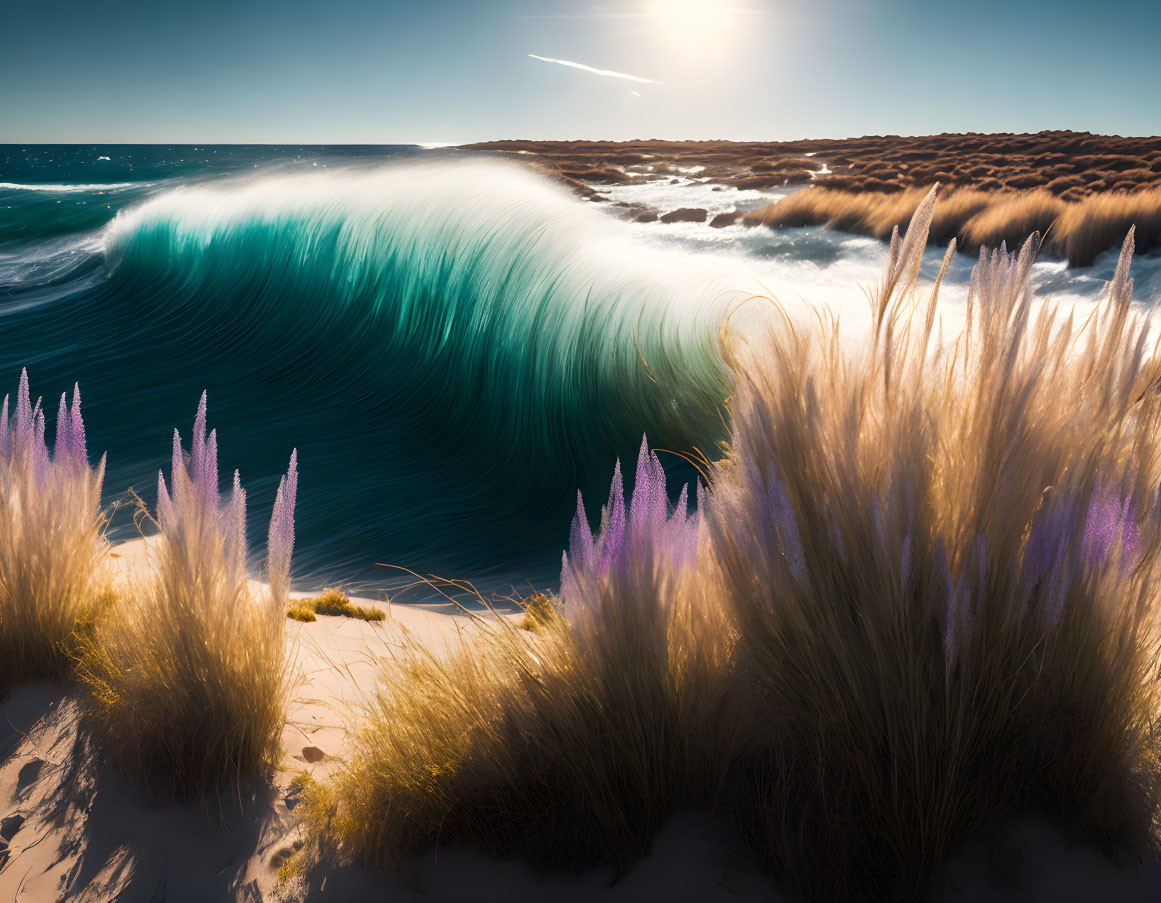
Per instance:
(1083,190)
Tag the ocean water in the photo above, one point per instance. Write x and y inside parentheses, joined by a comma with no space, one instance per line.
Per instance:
(454,345)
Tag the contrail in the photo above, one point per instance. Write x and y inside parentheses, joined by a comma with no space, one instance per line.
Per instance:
(606,72)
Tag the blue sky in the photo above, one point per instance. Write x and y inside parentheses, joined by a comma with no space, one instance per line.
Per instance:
(358,71)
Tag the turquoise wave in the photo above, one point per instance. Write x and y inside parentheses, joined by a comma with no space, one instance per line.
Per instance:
(454,347)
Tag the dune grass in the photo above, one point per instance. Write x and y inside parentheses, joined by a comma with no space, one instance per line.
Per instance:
(333,603)
(1075,230)
(188,674)
(920,595)
(539,609)
(942,566)
(569,745)
(51,541)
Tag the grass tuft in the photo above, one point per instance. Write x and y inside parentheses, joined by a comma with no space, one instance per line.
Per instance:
(570,745)
(188,675)
(539,610)
(942,565)
(52,543)
(333,603)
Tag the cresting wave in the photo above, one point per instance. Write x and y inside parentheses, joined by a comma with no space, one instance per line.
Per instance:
(456,345)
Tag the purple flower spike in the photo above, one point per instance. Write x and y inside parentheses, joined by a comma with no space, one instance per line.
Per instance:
(642,532)
(40,461)
(208,490)
(236,522)
(580,539)
(679,513)
(612,540)
(5,433)
(568,585)
(79,451)
(197,445)
(1049,560)
(176,464)
(191,508)
(1111,521)
(165,514)
(64,440)
(280,537)
(650,501)
(23,411)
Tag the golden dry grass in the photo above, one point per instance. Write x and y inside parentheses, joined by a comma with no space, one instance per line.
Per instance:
(570,745)
(53,583)
(187,675)
(1076,230)
(924,664)
(926,597)
(333,603)
(539,609)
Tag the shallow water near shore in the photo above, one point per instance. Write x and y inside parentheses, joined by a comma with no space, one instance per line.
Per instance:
(454,344)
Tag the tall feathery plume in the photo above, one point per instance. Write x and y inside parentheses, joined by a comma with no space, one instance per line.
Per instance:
(51,533)
(280,537)
(612,534)
(63,445)
(235,517)
(77,426)
(193,502)
(5,435)
(23,411)
(628,537)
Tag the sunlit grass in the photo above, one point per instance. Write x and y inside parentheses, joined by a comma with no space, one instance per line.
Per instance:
(187,676)
(1076,230)
(919,595)
(53,583)
(332,603)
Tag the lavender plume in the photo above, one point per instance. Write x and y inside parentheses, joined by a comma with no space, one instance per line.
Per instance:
(77,427)
(280,537)
(645,530)
(5,434)
(63,445)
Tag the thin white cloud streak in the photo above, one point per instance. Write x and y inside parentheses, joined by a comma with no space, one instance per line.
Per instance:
(608,73)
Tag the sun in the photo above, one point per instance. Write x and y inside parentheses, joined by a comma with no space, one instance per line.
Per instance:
(696,29)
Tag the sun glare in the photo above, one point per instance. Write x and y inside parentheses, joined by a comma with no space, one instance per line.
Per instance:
(696,29)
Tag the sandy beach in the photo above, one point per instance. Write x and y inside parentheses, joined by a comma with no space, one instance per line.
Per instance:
(75,831)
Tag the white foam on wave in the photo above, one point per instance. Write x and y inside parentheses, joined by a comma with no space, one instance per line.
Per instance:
(47,187)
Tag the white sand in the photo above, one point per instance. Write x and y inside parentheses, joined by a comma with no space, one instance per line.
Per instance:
(75,831)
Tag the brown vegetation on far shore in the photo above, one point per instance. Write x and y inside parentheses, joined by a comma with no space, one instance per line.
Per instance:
(1069,165)
(1083,190)
(1075,230)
